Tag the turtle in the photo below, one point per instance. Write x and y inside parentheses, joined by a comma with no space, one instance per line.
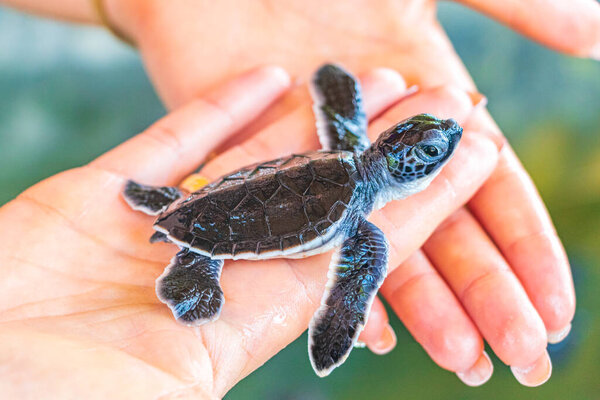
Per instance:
(297,206)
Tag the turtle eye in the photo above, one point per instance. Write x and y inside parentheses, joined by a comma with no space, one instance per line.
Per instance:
(429,153)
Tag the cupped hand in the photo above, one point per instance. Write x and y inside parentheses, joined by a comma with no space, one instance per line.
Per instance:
(496,269)
(78,311)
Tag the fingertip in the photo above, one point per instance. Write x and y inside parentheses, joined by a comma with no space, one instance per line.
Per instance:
(556,306)
(385,343)
(275,73)
(382,87)
(479,373)
(376,322)
(461,101)
(559,335)
(444,101)
(391,78)
(478,100)
(271,80)
(535,374)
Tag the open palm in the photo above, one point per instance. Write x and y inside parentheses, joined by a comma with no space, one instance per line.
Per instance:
(77,287)
(79,273)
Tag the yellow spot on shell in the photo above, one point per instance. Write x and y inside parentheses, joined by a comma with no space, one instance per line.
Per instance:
(194,182)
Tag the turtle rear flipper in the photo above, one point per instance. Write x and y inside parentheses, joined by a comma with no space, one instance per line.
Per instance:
(190,287)
(151,200)
(159,237)
(353,282)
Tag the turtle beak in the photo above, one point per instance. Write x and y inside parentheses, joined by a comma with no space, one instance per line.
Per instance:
(452,126)
(453,130)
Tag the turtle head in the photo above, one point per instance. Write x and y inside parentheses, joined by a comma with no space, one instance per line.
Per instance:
(415,149)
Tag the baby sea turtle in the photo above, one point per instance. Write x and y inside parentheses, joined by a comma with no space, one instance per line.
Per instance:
(297,206)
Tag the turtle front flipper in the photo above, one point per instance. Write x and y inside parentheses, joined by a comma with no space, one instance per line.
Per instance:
(190,287)
(151,200)
(354,279)
(338,107)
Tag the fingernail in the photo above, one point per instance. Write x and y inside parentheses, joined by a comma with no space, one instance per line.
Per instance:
(279,74)
(536,374)
(386,342)
(478,100)
(411,90)
(595,52)
(194,182)
(558,336)
(498,139)
(479,373)
(389,76)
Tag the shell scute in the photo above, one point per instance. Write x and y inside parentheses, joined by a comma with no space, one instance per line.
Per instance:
(262,189)
(244,247)
(202,243)
(308,235)
(297,179)
(289,242)
(247,221)
(322,226)
(337,211)
(334,175)
(231,198)
(271,244)
(285,212)
(209,224)
(221,248)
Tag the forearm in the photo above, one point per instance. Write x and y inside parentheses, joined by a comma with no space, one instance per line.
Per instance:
(120,15)
(71,10)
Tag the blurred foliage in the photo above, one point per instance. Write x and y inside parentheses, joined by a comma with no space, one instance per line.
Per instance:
(71,93)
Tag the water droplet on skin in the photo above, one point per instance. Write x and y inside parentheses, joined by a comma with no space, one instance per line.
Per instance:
(279,317)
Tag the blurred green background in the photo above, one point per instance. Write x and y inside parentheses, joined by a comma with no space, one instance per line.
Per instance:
(70,93)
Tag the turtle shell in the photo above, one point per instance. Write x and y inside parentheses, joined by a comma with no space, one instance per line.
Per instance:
(283,206)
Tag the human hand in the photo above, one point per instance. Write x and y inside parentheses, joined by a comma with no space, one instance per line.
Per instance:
(79,308)
(512,253)
(405,36)
(78,311)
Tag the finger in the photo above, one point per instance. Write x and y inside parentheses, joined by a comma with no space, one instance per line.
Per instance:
(296,132)
(510,209)
(177,143)
(378,335)
(487,289)
(442,101)
(571,26)
(471,164)
(535,374)
(432,314)
(479,373)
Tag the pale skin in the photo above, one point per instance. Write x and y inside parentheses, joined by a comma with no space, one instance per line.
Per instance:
(508,284)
